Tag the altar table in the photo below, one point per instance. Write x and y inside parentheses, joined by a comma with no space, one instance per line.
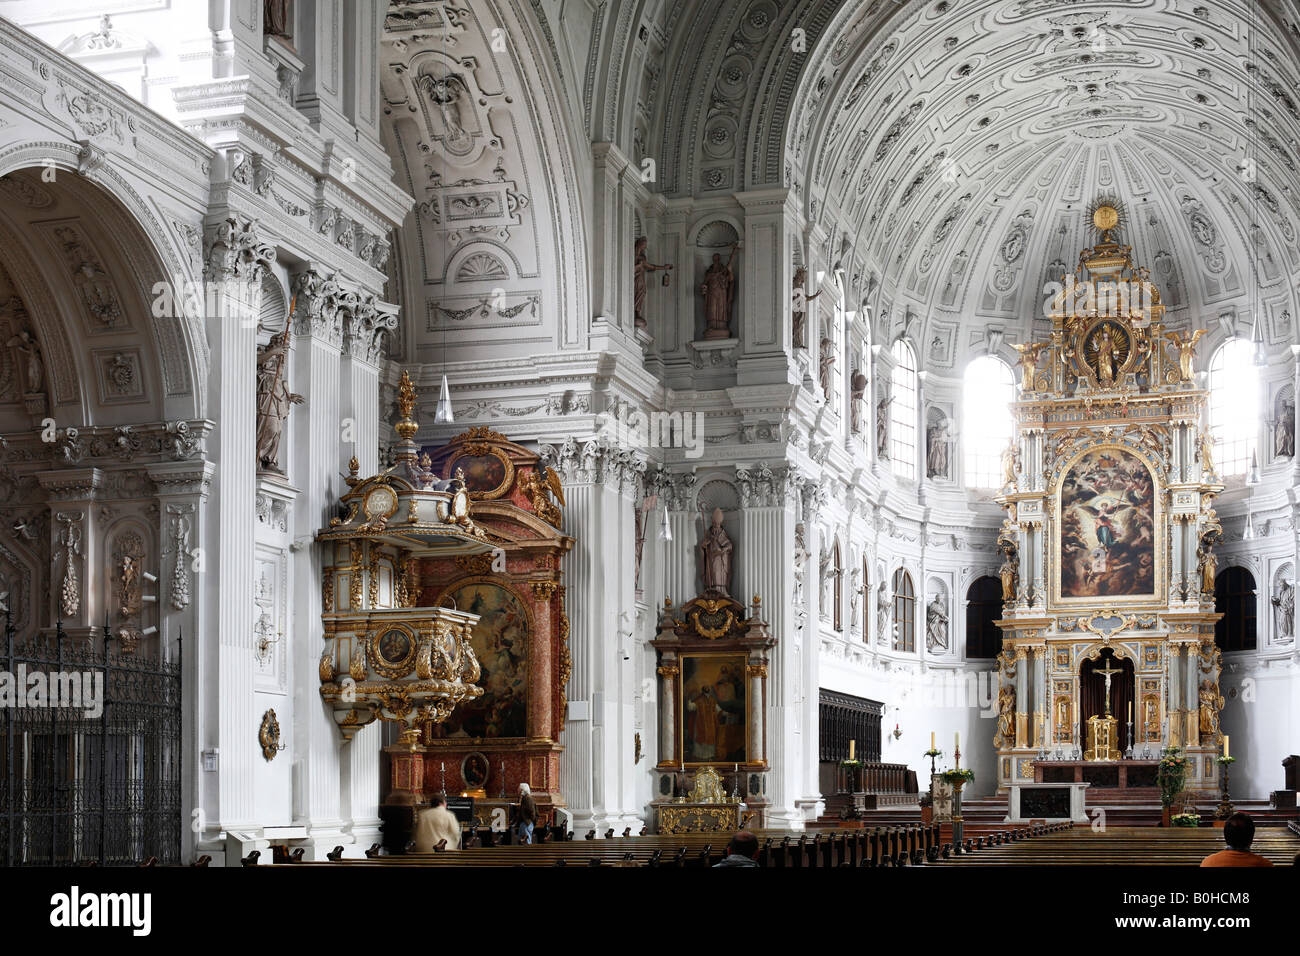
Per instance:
(1046,801)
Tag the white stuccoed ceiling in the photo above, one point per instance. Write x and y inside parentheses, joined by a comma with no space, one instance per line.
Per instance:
(952,151)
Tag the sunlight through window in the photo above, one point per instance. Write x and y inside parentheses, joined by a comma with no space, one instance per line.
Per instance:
(1234,406)
(988,390)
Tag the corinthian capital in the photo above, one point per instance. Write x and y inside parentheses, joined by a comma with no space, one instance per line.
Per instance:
(234,250)
(316,306)
(366,326)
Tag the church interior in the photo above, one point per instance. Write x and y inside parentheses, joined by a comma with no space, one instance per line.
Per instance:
(609,426)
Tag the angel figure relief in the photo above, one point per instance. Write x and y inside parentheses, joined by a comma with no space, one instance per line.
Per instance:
(539,484)
(1186,351)
(1030,354)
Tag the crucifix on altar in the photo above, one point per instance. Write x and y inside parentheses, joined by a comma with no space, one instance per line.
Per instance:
(1101,729)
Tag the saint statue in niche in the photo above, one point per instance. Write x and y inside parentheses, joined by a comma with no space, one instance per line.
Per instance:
(1006,736)
(1284,431)
(275,18)
(882,427)
(33,369)
(719,291)
(1211,702)
(641,266)
(826,363)
(799,311)
(715,553)
(936,455)
(936,624)
(1284,603)
(273,401)
(858,388)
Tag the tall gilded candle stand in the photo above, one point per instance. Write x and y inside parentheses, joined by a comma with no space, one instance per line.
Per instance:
(957,779)
(932,753)
(1224,809)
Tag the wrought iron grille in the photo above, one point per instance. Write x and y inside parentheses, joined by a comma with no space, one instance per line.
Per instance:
(76,788)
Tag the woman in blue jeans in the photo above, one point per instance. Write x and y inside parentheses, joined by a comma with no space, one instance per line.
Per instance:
(526,816)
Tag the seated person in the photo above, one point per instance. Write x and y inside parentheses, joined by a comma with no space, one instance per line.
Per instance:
(434,824)
(525,815)
(1238,833)
(741,851)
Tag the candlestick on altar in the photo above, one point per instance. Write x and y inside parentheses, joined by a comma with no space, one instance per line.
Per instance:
(503,780)
(1225,746)
(443,770)
(852,748)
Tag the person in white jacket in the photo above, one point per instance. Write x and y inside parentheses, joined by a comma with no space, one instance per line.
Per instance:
(434,824)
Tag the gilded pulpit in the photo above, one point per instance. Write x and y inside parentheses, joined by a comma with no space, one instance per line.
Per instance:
(1108,542)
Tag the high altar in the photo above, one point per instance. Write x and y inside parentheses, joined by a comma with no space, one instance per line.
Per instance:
(1107,547)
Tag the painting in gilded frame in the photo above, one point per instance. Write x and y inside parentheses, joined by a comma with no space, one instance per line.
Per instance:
(713,709)
(1107,543)
(500,642)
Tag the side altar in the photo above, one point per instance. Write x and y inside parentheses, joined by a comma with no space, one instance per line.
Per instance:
(713,665)
(1108,545)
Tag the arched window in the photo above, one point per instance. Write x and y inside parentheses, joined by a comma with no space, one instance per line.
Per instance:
(1234,598)
(904,612)
(983,607)
(902,411)
(837,588)
(1234,406)
(988,389)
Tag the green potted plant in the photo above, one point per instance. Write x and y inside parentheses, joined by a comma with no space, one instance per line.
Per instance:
(957,778)
(1185,819)
(1171,776)
(851,775)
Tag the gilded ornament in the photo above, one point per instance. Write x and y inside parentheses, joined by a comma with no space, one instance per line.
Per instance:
(268,735)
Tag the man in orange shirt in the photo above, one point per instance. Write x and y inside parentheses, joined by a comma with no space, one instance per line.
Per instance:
(1238,833)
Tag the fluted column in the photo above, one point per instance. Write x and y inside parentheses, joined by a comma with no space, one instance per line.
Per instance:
(321,439)
(767,523)
(668,754)
(1022,696)
(236,262)
(1174,685)
(596,784)
(1191,719)
(366,323)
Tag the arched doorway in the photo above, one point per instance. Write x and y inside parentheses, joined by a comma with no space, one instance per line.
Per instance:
(101,406)
(1235,599)
(983,608)
(1092,693)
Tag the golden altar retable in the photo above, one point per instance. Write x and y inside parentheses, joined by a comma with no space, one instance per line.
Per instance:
(706,807)
(1108,547)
